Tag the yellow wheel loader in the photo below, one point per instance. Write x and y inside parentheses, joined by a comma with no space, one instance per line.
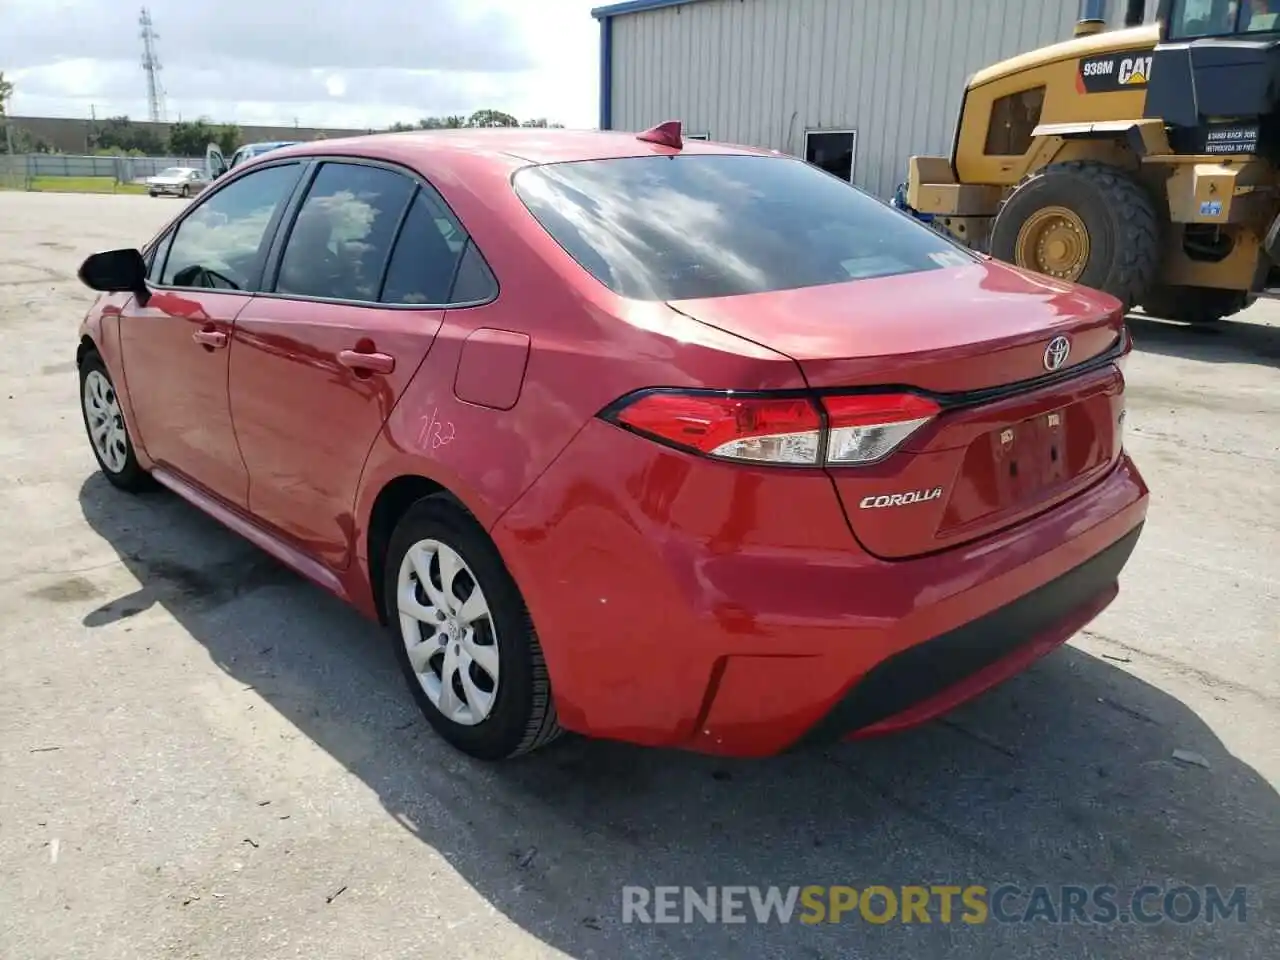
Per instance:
(1141,161)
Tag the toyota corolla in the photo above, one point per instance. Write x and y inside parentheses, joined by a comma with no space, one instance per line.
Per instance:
(669,442)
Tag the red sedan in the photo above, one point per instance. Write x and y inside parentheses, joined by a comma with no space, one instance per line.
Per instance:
(675,443)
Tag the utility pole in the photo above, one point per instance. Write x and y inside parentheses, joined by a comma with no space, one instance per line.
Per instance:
(8,135)
(151,66)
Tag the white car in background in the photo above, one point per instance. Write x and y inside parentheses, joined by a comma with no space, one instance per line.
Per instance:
(179,181)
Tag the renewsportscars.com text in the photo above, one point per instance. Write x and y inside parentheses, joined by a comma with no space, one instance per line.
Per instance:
(972,904)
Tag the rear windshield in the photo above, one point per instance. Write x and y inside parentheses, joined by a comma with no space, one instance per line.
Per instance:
(694,226)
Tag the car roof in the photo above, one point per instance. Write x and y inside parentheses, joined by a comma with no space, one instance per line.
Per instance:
(504,146)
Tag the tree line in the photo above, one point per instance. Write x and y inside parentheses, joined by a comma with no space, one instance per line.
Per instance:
(481,118)
(120,136)
(190,138)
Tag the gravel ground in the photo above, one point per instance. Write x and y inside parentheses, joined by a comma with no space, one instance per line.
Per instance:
(203,756)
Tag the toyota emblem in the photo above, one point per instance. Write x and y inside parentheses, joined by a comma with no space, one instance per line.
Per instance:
(1056,353)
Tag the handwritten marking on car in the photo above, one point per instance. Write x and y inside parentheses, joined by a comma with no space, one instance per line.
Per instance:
(435,433)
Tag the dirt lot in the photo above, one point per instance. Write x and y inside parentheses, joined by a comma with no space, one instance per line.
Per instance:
(203,756)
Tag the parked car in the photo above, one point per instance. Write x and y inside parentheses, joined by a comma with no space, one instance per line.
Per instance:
(177,182)
(217,164)
(670,442)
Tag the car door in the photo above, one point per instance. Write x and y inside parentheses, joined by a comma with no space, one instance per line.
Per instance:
(358,294)
(215,164)
(174,349)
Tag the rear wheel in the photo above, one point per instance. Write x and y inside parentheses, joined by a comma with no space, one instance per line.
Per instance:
(1083,222)
(463,637)
(1197,305)
(104,423)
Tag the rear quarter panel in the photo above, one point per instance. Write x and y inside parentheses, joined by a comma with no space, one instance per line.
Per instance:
(587,348)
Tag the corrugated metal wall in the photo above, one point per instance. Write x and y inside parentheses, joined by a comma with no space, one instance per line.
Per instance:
(762,72)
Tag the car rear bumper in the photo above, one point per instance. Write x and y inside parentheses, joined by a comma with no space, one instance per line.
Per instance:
(929,678)
(750,642)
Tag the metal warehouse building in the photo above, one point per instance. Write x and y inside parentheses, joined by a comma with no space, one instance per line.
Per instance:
(855,86)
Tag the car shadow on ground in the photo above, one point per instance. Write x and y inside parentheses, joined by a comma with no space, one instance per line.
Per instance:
(1061,776)
(1228,341)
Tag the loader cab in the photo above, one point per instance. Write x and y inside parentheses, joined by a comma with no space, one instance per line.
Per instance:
(1215,77)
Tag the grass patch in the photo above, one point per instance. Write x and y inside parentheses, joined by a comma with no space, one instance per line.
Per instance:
(83,185)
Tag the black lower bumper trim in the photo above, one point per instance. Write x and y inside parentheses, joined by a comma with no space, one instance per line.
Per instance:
(927,669)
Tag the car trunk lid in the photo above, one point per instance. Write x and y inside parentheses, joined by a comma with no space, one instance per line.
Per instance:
(1020,428)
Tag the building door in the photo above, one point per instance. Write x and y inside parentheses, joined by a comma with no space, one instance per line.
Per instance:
(832,150)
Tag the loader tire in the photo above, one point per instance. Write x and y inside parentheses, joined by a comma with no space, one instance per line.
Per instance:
(1196,305)
(1120,249)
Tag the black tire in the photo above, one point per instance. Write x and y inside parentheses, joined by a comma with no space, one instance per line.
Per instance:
(152,194)
(1117,211)
(523,717)
(131,477)
(1197,305)
(184,192)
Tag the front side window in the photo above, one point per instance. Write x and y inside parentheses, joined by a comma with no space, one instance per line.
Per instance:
(156,257)
(693,226)
(222,243)
(341,240)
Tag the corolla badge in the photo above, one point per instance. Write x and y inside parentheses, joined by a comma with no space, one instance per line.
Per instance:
(1056,353)
(899,499)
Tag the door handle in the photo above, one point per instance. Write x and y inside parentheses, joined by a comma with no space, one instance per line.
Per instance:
(367,362)
(213,339)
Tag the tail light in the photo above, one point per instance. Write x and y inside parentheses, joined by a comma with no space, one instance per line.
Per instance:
(846,430)
(866,428)
(1126,348)
(1122,361)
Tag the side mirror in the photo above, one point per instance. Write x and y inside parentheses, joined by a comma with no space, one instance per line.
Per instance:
(116,271)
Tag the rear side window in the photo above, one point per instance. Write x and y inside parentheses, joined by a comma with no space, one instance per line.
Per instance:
(688,227)
(340,242)
(474,283)
(434,261)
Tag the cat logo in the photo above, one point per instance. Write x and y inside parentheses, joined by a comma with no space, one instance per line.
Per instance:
(1112,72)
(1134,71)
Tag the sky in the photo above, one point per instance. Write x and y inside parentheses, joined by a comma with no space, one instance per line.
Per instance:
(335,63)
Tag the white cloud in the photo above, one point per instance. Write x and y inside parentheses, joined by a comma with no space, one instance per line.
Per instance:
(326,63)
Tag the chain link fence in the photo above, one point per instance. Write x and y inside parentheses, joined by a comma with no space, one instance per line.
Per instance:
(60,171)
(13,172)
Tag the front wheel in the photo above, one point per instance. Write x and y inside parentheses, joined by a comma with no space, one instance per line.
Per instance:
(463,637)
(1083,222)
(184,192)
(104,423)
